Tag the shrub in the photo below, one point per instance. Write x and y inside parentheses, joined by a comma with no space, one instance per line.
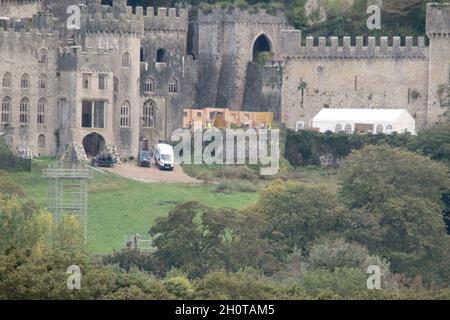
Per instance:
(233,186)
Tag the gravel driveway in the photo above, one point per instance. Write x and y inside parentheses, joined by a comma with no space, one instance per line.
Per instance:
(153,174)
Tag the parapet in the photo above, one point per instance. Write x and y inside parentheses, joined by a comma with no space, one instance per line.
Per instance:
(18,39)
(164,18)
(122,18)
(116,19)
(239,16)
(20,8)
(359,48)
(438,20)
(110,24)
(42,22)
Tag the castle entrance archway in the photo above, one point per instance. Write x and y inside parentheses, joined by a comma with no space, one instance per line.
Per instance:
(261,45)
(93,144)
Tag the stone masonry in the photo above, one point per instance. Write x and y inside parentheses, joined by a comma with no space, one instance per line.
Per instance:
(127,74)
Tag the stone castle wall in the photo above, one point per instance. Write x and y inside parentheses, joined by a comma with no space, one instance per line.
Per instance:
(19,54)
(225,46)
(363,73)
(209,56)
(20,8)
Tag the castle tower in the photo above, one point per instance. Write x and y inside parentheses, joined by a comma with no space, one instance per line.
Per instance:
(104,100)
(228,39)
(438,30)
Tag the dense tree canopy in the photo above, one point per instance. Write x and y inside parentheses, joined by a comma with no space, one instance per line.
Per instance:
(397,207)
(297,214)
(198,239)
(375,174)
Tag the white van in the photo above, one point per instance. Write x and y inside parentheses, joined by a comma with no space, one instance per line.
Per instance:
(164,157)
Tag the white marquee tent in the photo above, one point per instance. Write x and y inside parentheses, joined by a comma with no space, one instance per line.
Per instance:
(364,120)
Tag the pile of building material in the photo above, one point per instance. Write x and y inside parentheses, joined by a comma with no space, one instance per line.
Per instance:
(72,153)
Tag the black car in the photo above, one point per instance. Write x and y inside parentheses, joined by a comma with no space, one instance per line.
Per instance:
(144,159)
(104,160)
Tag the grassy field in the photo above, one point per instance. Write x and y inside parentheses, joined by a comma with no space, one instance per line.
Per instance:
(119,207)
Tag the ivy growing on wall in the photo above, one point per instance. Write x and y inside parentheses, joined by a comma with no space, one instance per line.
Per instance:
(306,147)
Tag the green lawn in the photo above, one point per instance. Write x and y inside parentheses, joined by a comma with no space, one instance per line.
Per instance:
(119,207)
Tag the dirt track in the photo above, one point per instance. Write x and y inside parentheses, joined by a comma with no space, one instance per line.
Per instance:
(153,174)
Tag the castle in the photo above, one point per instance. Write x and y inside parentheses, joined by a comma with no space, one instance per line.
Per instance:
(127,74)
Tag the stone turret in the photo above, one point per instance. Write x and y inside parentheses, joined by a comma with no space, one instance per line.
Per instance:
(438,30)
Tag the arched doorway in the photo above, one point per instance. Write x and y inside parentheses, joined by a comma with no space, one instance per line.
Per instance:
(261,45)
(93,144)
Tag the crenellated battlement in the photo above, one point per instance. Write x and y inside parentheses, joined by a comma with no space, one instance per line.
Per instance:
(239,16)
(124,19)
(42,22)
(19,3)
(348,48)
(20,9)
(108,23)
(23,38)
(164,18)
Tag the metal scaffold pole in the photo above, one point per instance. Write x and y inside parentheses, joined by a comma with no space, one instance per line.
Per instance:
(68,188)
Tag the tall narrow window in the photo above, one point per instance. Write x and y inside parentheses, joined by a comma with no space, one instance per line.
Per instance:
(43,56)
(338,128)
(102,81)
(41,142)
(6,110)
(160,55)
(93,114)
(86,80)
(41,111)
(42,83)
(116,85)
(99,114)
(149,85)
(148,113)
(125,114)
(142,55)
(86,114)
(126,60)
(6,82)
(25,81)
(23,110)
(173,85)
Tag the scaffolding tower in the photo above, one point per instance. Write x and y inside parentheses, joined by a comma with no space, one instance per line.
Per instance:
(67,190)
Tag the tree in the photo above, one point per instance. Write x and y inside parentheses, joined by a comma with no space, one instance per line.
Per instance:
(22,224)
(397,209)
(342,281)
(330,254)
(133,258)
(197,239)
(235,286)
(188,237)
(297,214)
(374,174)
(433,142)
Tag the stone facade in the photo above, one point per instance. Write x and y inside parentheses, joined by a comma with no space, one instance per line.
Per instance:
(127,74)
